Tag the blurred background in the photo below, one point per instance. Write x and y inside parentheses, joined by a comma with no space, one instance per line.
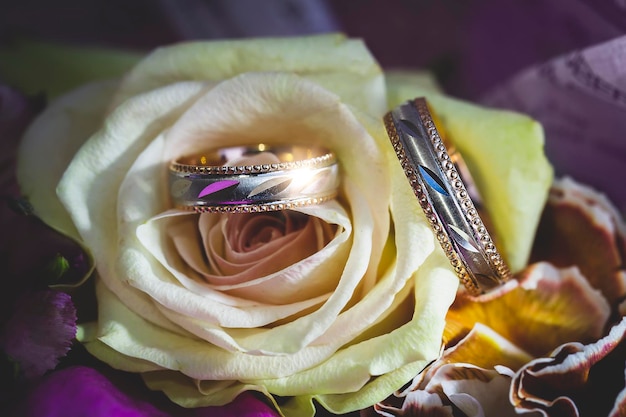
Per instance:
(470,45)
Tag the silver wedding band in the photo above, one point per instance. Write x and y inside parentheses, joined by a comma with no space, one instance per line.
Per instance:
(288,177)
(442,192)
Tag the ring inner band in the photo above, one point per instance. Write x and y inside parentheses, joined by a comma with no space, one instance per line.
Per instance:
(224,160)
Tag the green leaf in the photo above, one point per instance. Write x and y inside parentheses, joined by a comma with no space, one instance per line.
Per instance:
(52,68)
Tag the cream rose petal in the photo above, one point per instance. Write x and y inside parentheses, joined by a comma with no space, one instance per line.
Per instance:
(259,290)
(352,367)
(413,344)
(60,130)
(89,186)
(265,101)
(333,61)
(297,333)
(190,303)
(242,247)
(99,167)
(134,337)
(233,311)
(350,341)
(113,337)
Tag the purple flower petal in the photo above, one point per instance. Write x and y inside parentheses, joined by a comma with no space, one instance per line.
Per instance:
(40,331)
(82,391)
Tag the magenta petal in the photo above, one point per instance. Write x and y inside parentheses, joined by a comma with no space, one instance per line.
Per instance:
(82,391)
(245,405)
(217,186)
(40,331)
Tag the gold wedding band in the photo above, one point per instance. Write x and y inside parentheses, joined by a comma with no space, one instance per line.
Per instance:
(255,178)
(443,188)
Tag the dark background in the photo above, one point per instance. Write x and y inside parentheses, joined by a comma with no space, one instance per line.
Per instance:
(471,45)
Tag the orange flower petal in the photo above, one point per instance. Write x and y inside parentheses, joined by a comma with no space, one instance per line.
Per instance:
(547,308)
(485,348)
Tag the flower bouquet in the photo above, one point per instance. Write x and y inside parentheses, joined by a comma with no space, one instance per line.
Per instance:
(123,302)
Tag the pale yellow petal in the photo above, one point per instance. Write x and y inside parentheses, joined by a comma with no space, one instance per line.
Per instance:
(333,61)
(50,143)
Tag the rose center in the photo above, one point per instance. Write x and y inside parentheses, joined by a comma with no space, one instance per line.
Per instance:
(248,232)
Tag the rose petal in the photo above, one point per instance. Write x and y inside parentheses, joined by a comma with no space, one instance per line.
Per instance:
(549,307)
(256,307)
(231,245)
(59,130)
(348,352)
(253,289)
(581,227)
(131,119)
(369,209)
(467,366)
(205,361)
(402,84)
(576,379)
(343,371)
(338,64)
(253,246)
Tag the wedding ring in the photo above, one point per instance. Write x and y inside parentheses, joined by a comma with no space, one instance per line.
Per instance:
(444,191)
(251,179)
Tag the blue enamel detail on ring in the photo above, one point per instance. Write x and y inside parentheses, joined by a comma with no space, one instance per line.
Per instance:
(433,180)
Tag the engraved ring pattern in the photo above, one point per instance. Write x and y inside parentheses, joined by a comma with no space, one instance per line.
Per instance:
(444,197)
(212,183)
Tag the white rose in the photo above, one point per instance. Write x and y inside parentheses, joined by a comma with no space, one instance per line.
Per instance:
(341,302)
